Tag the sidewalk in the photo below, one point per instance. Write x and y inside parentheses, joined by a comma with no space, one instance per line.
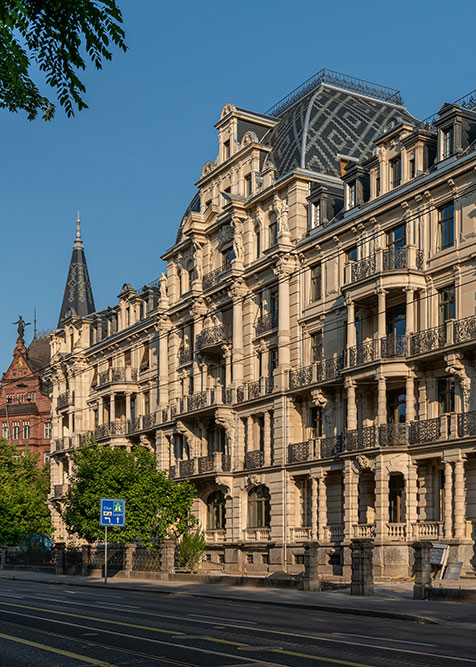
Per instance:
(391,600)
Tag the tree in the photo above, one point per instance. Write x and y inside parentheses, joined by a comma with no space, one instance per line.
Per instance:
(156,506)
(24,488)
(58,36)
(191,548)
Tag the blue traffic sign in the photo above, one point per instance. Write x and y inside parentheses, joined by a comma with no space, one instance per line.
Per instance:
(113,512)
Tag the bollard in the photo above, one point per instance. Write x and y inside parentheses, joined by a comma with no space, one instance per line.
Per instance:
(362,567)
(311,580)
(422,581)
(59,557)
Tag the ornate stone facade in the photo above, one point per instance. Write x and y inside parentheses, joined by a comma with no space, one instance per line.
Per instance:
(311,344)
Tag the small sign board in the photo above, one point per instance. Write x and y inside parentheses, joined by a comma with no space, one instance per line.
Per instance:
(439,554)
(453,571)
(113,512)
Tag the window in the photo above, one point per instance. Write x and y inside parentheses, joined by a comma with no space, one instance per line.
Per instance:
(273,233)
(411,166)
(47,430)
(274,307)
(144,362)
(377,183)
(272,360)
(396,172)
(248,185)
(396,485)
(447,145)
(351,254)
(397,237)
(216,511)
(316,283)
(315,215)
(316,422)
(227,257)
(446,226)
(396,406)
(226,149)
(446,304)
(26,430)
(191,277)
(446,395)
(147,403)
(260,424)
(258,242)
(16,430)
(316,346)
(127,358)
(352,194)
(133,407)
(258,507)
(6,432)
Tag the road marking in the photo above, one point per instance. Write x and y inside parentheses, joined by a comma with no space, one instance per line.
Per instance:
(92,618)
(8,595)
(224,641)
(51,649)
(382,639)
(143,639)
(320,658)
(221,618)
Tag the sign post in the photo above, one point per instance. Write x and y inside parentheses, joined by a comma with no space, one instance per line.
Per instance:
(113,513)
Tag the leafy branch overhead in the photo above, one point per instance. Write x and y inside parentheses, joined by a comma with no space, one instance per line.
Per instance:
(59,37)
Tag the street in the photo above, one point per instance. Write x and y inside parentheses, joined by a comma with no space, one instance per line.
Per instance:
(56,625)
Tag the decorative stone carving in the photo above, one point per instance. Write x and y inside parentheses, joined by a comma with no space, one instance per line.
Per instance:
(164,299)
(163,326)
(226,234)
(198,308)
(188,434)
(238,290)
(225,419)
(198,259)
(285,265)
(238,248)
(281,209)
(319,399)
(456,368)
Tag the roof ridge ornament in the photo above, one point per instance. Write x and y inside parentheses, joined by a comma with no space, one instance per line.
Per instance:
(78,242)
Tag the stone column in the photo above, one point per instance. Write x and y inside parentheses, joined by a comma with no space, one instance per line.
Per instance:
(350,500)
(311,580)
(100,411)
(381,312)
(350,323)
(237,293)
(314,506)
(381,400)
(128,406)
(422,570)
(283,271)
(249,433)
(227,352)
(362,567)
(163,329)
(322,511)
(267,438)
(410,309)
(411,496)
(459,500)
(448,519)
(381,498)
(351,405)
(112,408)
(410,399)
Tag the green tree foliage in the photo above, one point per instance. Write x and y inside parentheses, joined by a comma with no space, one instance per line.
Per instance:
(58,37)
(156,506)
(24,488)
(191,548)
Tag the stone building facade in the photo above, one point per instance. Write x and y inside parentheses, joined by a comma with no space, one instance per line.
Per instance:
(307,359)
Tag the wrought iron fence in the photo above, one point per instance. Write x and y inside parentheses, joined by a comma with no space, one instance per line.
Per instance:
(390,435)
(226,462)
(266,322)
(118,428)
(198,401)
(419,260)
(428,340)
(360,438)
(393,346)
(37,556)
(363,268)
(298,451)
(364,353)
(115,557)
(426,430)
(465,329)
(395,258)
(145,560)
(149,421)
(73,557)
(253,459)
(173,472)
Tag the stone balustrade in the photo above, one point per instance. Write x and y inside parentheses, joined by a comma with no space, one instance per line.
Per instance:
(397,531)
(257,534)
(300,534)
(428,530)
(364,531)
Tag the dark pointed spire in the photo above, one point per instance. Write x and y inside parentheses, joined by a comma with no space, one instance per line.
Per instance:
(78,295)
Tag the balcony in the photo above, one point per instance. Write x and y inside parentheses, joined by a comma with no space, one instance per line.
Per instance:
(383,261)
(111,429)
(428,340)
(204,399)
(360,438)
(393,435)
(425,430)
(257,534)
(334,532)
(134,425)
(256,389)
(215,536)
(254,459)
(302,534)
(467,424)
(364,531)
(363,354)
(266,323)
(428,530)
(213,278)
(319,371)
(393,346)
(213,337)
(314,449)
(203,465)
(117,376)
(65,400)
(185,355)
(397,531)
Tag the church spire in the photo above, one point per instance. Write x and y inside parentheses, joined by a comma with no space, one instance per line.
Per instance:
(78,296)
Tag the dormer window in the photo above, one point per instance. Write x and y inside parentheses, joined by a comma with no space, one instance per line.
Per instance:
(226,149)
(396,172)
(248,186)
(315,215)
(377,183)
(411,166)
(447,142)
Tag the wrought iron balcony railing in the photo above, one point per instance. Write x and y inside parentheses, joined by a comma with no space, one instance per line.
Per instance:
(390,259)
(428,340)
(214,277)
(256,389)
(331,446)
(393,346)
(299,451)
(185,354)
(363,353)
(266,322)
(467,424)
(363,268)
(465,329)
(134,425)
(319,371)
(253,459)
(395,258)
(360,438)
(217,462)
(213,336)
(425,430)
(117,375)
(65,400)
(391,435)
(187,468)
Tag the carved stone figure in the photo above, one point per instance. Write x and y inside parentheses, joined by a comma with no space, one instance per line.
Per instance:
(198,259)
(164,299)
(238,238)
(282,210)
(456,368)
(21,326)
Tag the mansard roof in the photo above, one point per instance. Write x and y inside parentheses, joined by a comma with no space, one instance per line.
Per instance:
(327,122)
(78,296)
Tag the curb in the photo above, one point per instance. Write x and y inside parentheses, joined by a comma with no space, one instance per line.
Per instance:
(350,611)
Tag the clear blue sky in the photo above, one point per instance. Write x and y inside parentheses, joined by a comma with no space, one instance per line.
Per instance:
(129,162)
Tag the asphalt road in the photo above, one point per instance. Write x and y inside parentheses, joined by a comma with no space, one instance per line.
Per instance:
(56,625)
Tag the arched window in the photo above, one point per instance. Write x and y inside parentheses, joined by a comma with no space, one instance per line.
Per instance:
(258,508)
(216,512)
